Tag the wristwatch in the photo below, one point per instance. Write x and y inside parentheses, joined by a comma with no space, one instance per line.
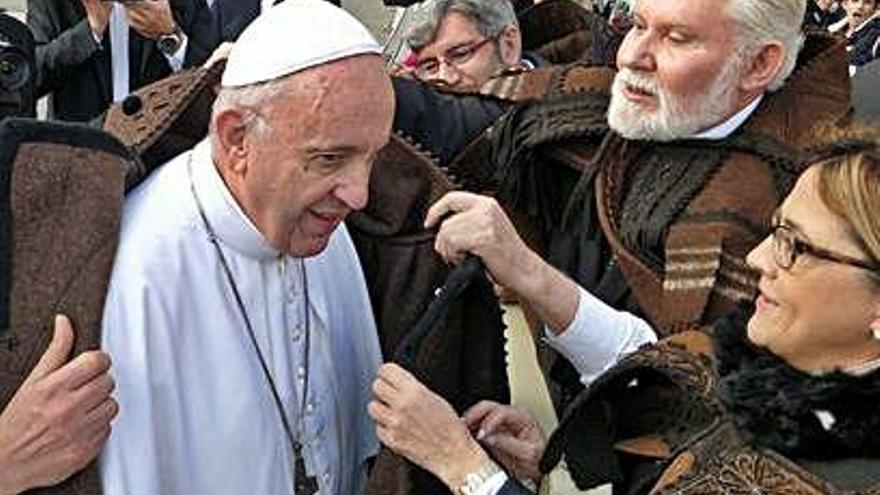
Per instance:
(473,481)
(169,43)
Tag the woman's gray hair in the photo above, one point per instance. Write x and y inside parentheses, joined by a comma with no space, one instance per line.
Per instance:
(761,21)
(489,16)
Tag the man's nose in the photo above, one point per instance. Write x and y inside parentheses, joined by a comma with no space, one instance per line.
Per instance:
(448,74)
(353,191)
(636,51)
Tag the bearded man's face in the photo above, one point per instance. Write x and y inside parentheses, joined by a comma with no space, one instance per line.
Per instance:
(679,70)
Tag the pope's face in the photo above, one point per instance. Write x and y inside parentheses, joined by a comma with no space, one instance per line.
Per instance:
(678,70)
(311,167)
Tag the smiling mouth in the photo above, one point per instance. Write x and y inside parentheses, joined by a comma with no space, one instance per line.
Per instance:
(638,91)
(764,301)
(327,221)
(637,94)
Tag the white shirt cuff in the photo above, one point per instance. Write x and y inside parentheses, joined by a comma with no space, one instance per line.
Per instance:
(599,336)
(492,485)
(176,60)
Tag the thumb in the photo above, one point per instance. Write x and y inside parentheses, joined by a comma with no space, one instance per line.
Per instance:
(58,351)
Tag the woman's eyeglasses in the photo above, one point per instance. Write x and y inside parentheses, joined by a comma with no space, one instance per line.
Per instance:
(787,246)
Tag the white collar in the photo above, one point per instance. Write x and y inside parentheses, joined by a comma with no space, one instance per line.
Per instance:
(266,5)
(223,212)
(730,125)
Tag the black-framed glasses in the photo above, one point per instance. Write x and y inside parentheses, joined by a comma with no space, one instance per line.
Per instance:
(787,246)
(455,57)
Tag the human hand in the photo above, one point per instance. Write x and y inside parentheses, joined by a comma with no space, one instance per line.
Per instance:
(150,18)
(98,15)
(419,425)
(512,436)
(479,226)
(60,417)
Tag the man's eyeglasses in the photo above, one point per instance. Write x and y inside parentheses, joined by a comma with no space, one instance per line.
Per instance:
(787,247)
(457,56)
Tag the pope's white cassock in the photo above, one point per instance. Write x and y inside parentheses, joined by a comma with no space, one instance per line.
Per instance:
(196,413)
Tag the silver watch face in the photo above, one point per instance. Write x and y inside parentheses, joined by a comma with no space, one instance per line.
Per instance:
(168,44)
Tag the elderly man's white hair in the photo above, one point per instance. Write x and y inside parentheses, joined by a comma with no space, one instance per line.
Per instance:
(762,21)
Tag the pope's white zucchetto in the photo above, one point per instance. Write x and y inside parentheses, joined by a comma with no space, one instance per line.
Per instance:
(293,36)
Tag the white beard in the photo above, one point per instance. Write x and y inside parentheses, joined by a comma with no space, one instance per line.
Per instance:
(676,116)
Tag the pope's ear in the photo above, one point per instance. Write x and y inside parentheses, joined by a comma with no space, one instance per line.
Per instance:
(230,129)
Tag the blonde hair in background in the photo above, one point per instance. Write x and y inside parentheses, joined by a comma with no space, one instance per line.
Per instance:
(849,184)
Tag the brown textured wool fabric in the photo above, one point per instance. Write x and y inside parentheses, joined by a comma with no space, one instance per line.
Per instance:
(701,273)
(464,360)
(65,200)
(563,32)
(168,117)
(705,274)
(672,408)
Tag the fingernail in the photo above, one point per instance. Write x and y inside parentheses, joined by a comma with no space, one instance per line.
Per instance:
(481,434)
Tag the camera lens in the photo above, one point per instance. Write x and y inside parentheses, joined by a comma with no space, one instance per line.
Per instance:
(15,71)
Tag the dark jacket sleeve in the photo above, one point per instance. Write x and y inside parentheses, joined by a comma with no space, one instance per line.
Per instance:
(233,16)
(442,123)
(61,47)
(201,31)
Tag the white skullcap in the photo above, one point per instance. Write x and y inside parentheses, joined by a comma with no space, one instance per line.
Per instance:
(293,36)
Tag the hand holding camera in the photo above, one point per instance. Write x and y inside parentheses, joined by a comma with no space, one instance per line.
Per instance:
(98,13)
(150,18)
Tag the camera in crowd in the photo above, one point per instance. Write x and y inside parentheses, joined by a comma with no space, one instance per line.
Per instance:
(17,69)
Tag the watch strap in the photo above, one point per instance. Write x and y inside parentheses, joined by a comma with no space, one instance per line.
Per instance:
(475,480)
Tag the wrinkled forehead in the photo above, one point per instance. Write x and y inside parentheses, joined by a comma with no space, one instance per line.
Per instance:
(691,13)
(455,29)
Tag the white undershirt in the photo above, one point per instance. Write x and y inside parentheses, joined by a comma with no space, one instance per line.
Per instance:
(119,52)
(599,335)
(119,62)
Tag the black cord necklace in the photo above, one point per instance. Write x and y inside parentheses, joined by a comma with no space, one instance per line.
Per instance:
(302,484)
